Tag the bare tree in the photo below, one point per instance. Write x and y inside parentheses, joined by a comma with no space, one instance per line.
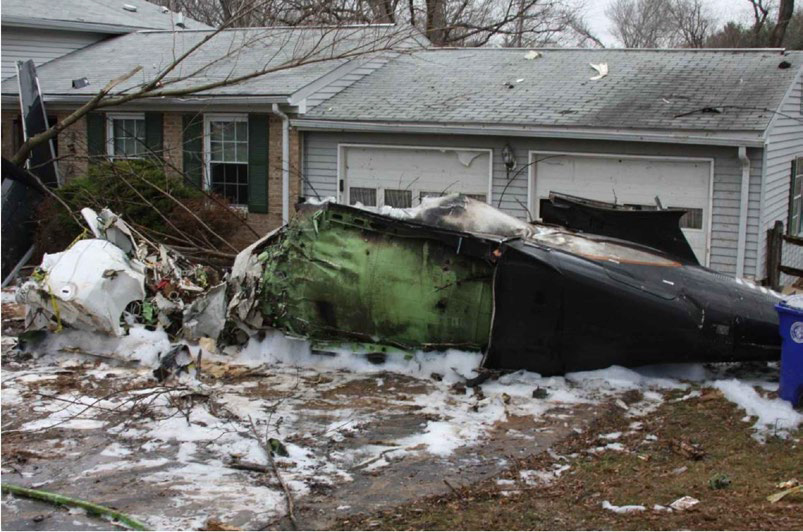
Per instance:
(444,22)
(785,12)
(641,23)
(692,23)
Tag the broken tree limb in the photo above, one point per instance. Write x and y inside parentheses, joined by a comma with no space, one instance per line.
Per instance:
(55,498)
(268,451)
(249,466)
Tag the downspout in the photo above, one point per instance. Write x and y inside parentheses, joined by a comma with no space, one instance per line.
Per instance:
(285,163)
(743,205)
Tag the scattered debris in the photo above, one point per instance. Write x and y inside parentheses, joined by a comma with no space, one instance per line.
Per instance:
(788,488)
(540,393)
(719,481)
(532,54)
(684,503)
(623,509)
(602,71)
(692,451)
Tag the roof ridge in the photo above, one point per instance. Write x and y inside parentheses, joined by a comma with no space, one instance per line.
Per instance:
(265,28)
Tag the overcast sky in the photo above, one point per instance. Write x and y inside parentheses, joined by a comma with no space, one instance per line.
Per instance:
(724,10)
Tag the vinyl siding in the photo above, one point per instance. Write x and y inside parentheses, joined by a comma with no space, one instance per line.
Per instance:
(21,44)
(320,168)
(784,143)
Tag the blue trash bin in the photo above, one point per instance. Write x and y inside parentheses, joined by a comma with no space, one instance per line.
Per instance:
(791,328)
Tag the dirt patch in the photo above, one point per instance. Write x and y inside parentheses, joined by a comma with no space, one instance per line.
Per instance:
(648,471)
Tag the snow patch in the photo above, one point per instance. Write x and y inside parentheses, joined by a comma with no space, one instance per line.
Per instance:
(774,416)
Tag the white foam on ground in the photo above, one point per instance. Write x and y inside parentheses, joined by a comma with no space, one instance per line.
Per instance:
(774,416)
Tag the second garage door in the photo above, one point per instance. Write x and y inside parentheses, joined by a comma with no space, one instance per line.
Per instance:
(400,177)
(636,181)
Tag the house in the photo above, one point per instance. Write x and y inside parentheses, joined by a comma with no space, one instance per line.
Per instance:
(235,140)
(43,30)
(717,132)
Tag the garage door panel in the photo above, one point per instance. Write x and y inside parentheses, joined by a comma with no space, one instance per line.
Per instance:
(632,181)
(393,173)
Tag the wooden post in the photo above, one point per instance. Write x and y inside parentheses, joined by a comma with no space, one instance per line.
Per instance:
(774,243)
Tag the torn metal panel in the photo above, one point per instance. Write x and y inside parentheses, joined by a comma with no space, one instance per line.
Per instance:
(658,229)
(87,287)
(342,273)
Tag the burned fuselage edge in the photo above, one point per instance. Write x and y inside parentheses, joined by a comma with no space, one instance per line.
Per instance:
(339,273)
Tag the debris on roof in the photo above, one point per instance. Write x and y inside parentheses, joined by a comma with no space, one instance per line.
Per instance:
(602,71)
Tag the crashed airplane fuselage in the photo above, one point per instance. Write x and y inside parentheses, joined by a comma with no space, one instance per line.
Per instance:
(457,273)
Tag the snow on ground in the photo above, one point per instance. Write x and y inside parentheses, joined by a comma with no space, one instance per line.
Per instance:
(196,429)
(773,416)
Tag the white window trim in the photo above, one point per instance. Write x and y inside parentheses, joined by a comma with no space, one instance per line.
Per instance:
(208,119)
(110,118)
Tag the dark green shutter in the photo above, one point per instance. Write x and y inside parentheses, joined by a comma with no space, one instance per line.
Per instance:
(154,134)
(258,163)
(193,126)
(96,136)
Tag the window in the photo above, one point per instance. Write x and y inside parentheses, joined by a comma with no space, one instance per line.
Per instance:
(795,225)
(125,134)
(365,196)
(693,219)
(226,139)
(402,199)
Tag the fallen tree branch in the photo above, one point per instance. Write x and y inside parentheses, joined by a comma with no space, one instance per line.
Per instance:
(55,498)
(288,496)
(248,466)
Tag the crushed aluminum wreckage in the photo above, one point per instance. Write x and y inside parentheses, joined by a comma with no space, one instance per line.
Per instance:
(457,273)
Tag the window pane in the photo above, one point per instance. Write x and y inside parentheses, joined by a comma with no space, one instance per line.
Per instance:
(242,152)
(128,137)
(228,152)
(242,131)
(366,196)
(402,199)
(216,149)
(230,181)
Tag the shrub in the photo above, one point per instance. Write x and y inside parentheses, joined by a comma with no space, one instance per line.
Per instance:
(136,190)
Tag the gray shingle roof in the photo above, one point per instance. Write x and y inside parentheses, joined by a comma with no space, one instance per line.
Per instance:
(645,89)
(103,13)
(229,54)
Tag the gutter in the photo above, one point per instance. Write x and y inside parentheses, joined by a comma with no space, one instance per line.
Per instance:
(743,205)
(744,138)
(285,162)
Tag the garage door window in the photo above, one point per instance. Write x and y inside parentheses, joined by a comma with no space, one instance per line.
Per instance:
(402,199)
(365,196)
(693,219)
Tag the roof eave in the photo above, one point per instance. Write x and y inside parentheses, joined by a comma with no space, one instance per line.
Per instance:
(153,102)
(39,23)
(713,138)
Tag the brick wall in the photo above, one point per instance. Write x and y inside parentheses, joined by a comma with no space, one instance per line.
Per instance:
(71,143)
(173,143)
(7,138)
(275,167)
(72,149)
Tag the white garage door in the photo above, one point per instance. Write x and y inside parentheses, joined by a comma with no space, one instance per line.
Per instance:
(400,177)
(631,181)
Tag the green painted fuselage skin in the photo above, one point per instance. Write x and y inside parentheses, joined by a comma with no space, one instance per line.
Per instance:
(339,276)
